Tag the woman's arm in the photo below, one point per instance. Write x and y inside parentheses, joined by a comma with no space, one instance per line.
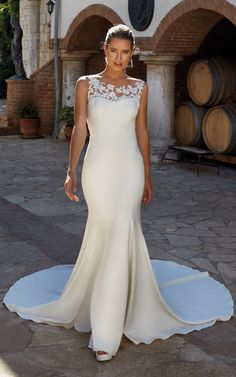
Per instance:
(144,143)
(78,136)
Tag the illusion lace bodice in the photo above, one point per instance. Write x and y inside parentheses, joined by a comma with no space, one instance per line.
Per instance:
(98,88)
(111,119)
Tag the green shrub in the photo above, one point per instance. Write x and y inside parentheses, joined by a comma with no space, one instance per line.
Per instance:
(6,71)
(66,115)
(7,68)
(28,112)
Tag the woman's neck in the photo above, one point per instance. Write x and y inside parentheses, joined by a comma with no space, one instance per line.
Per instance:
(113,75)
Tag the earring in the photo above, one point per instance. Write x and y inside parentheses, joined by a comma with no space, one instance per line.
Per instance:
(130,64)
(106,60)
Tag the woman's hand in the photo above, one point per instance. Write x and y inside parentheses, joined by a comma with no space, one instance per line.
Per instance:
(70,186)
(147,193)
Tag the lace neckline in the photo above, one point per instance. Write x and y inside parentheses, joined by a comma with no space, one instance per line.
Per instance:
(114,86)
(100,89)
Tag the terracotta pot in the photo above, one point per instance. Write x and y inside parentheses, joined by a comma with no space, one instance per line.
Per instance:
(30,128)
(68,132)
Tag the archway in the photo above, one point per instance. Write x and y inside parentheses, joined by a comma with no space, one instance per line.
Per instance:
(96,17)
(186,33)
(184,28)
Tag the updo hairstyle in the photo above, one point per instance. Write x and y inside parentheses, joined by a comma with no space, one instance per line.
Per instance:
(123,32)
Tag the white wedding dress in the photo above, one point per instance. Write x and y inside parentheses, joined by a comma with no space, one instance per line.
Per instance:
(114,288)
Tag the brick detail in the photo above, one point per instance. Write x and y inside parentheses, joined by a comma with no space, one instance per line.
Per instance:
(101,11)
(82,35)
(38,90)
(19,93)
(44,94)
(181,31)
(3,120)
(184,28)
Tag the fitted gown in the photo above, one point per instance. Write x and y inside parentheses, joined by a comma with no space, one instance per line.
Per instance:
(114,288)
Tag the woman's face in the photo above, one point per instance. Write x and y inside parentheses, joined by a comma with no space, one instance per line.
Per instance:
(118,53)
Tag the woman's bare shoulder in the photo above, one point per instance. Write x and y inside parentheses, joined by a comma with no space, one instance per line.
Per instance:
(82,79)
(82,83)
(135,79)
(88,77)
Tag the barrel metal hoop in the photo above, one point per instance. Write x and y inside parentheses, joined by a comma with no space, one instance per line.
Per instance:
(231,112)
(215,82)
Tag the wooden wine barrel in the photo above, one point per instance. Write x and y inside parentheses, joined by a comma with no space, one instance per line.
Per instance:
(212,81)
(188,124)
(219,129)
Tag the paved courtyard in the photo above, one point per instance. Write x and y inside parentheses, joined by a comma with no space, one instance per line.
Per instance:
(191,220)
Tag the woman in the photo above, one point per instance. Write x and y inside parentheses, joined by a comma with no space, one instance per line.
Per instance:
(114,288)
(118,53)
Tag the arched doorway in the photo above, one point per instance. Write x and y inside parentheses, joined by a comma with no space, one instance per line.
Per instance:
(188,31)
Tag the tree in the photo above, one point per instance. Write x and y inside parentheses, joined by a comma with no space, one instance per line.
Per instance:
(6,34)
(16,43)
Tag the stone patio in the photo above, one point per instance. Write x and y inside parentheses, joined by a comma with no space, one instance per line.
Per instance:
(191,220)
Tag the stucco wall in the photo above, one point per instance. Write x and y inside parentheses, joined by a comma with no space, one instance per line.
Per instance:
(70,8)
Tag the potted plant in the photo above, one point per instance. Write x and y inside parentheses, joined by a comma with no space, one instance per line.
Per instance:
(66,117)
(29,122)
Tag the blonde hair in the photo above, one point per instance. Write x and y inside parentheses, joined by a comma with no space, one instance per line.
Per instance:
(123,32)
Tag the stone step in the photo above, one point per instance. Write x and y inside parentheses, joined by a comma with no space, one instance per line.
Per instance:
(3,120)
(7,131)
(5,127)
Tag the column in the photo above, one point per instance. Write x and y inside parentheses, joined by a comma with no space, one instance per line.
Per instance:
(161,100)
(33,35)
(73,67)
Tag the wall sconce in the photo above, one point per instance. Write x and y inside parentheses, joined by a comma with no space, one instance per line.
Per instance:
(50,5)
